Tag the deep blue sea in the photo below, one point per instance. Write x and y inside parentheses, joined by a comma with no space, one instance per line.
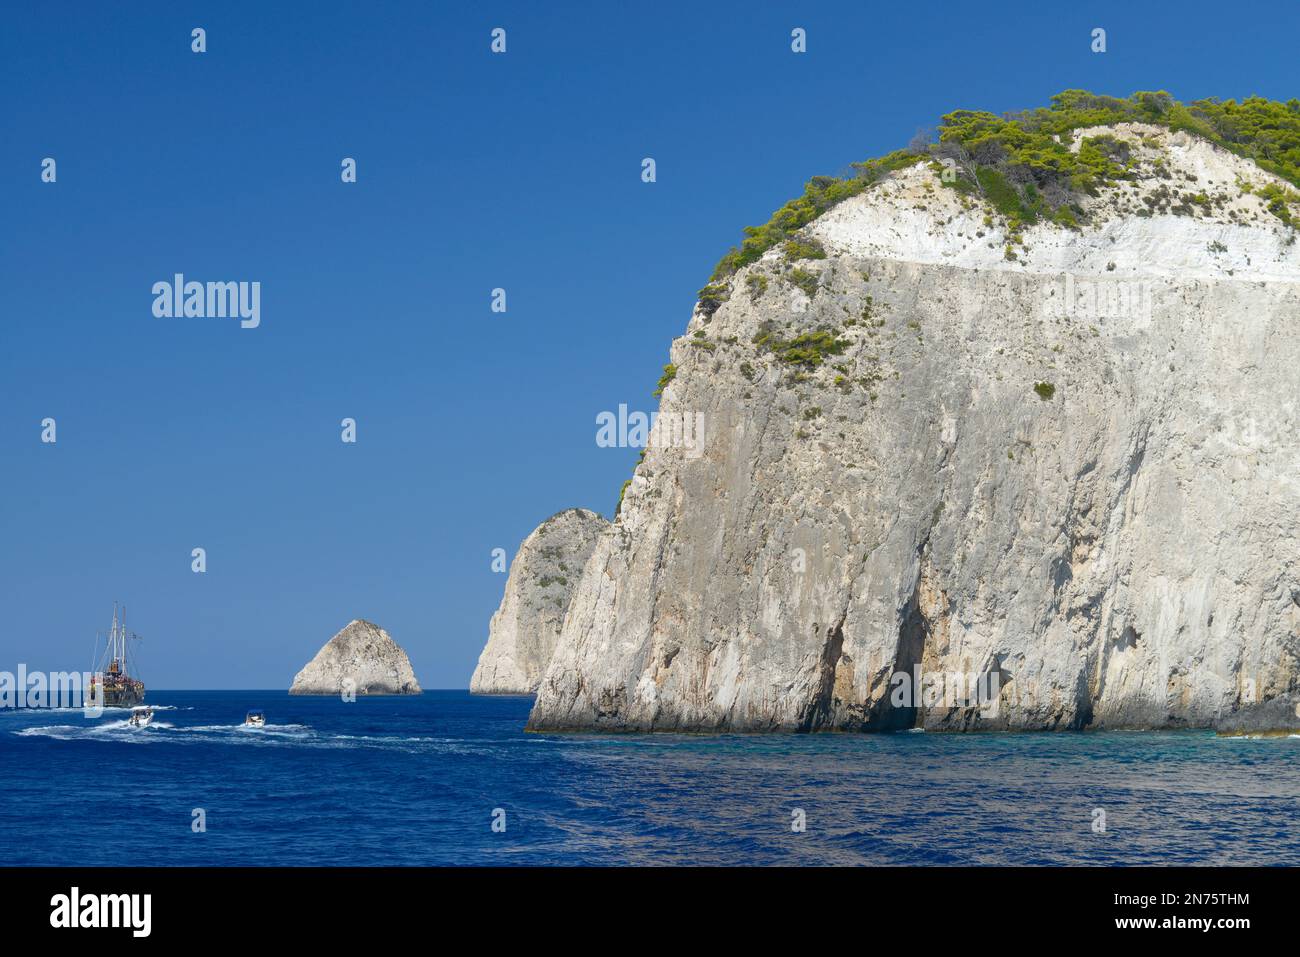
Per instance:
(415,780)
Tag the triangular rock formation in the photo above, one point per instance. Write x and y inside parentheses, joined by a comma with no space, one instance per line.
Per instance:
(363,658)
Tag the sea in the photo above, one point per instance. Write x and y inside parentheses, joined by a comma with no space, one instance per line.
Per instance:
(446,778)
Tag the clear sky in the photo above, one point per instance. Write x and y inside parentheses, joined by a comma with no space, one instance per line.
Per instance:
(474,171)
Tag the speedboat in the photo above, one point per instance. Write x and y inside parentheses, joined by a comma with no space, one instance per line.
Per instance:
(254,719)
(141,717)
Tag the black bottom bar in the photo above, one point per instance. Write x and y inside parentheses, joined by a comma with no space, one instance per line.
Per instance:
(333,906)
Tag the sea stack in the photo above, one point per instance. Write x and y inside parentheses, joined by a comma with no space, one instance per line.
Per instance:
(543,576)
(1051,449)
(361,658)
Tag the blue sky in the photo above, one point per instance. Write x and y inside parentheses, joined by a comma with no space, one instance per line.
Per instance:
(475,171)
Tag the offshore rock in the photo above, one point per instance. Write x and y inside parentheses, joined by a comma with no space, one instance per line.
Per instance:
(361,658)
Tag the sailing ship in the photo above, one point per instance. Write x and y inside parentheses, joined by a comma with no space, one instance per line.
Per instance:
(119,689)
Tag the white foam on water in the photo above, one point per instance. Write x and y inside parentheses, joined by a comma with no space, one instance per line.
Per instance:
(270,735)
(106,710)
(121,730)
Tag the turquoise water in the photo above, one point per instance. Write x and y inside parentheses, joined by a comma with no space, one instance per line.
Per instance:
(415,780)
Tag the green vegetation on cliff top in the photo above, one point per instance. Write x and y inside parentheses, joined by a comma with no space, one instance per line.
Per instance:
(1016,163)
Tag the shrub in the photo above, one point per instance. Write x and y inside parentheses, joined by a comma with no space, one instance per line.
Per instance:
(1045,390)
(796,249)
(1276,199)
(807,350)
(712,297)
(670,373)
(805,280)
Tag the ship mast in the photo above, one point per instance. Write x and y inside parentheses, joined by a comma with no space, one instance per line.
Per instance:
(116,646)
(114,659)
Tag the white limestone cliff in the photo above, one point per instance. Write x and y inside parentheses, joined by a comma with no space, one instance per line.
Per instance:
(543,577)
(1074,474)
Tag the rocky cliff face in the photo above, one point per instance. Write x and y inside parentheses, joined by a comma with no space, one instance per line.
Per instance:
(543,577)
(1071,478)
(361,658)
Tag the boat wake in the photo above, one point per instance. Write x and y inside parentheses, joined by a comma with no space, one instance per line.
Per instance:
(108,710)
(121,730)
(294,731)
(269,735)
